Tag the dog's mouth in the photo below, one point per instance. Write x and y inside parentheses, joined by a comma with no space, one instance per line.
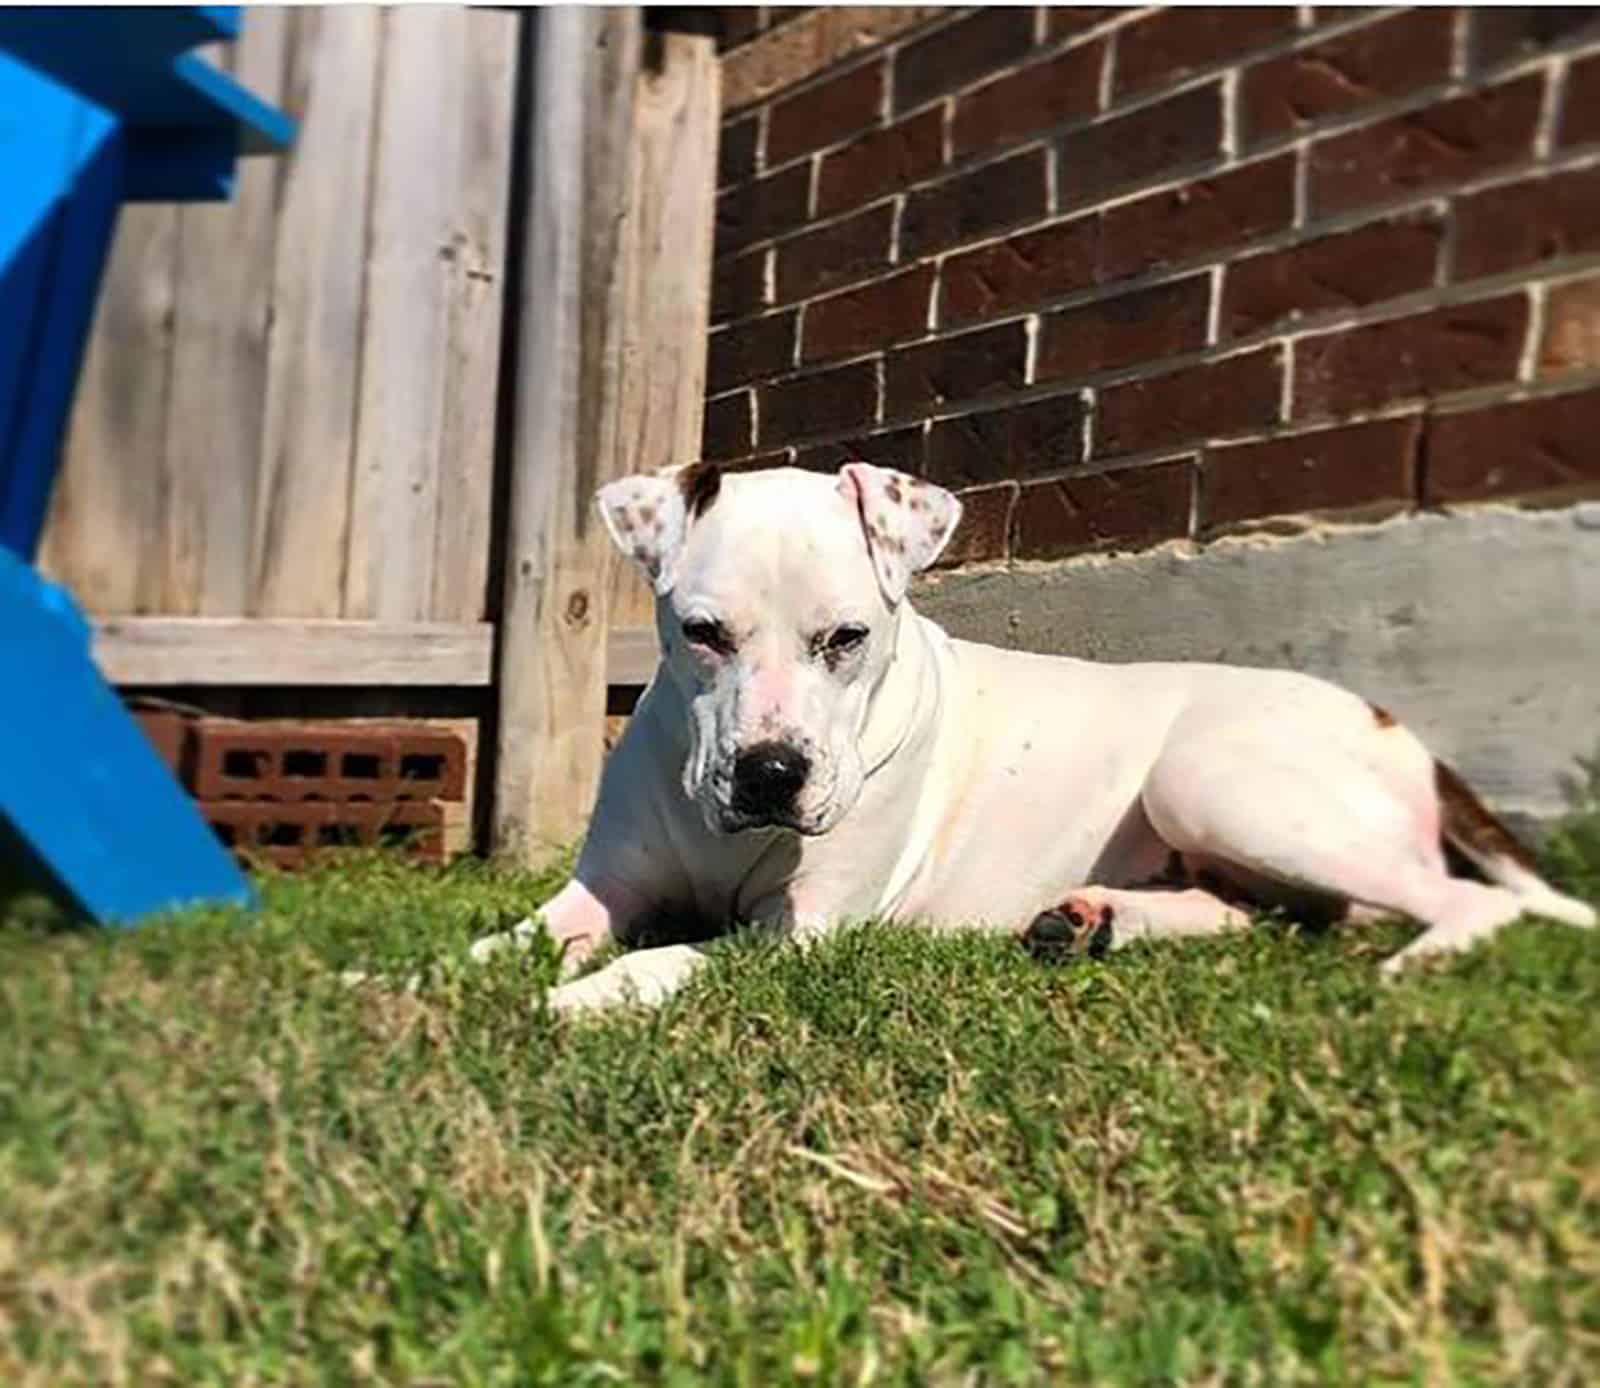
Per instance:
(728,820)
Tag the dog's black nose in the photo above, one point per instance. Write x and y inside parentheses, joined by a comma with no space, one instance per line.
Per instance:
(767,777)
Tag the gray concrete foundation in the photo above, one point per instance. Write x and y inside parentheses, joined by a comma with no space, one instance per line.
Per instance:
(1480,630)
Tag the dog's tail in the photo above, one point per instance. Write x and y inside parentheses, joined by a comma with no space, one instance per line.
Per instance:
(1471,827)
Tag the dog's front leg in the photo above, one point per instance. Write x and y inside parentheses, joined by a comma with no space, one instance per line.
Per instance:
(578,918)
(643,978)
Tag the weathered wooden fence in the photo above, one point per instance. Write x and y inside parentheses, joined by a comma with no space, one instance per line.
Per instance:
(311,416)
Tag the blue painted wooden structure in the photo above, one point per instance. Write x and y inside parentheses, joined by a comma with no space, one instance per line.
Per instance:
(98,107)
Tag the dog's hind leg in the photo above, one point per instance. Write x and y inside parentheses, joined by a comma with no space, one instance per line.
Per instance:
(1494,850)
(1328,819)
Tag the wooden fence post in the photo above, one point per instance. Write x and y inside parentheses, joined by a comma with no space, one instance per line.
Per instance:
(671,225)
(552,642)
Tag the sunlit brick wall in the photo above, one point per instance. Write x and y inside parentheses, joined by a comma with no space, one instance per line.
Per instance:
(1120,276)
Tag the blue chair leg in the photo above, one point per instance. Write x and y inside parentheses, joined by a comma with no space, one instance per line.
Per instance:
(83,797)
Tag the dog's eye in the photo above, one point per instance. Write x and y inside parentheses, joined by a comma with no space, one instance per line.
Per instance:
(708,635)
(843,640)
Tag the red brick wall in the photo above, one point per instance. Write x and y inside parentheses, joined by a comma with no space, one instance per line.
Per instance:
(1120,276)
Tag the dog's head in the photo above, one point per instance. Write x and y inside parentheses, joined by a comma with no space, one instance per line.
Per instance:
(778,601)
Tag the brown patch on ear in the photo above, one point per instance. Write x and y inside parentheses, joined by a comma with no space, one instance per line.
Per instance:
(699,483)
(1382,717)
(1469,822)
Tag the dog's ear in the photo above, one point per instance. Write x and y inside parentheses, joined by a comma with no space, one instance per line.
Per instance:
(648,517)
(907,521)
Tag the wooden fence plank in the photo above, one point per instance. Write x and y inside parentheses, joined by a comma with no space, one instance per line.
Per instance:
(217,404)
(314,360)
(215,651)
(672,218)
(475,291)
(553,641)
(394,488)
(104,532)
(280,651)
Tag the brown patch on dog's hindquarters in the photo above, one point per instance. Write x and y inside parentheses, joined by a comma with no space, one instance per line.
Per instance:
(700,484)
(1382,717)
(1470,823)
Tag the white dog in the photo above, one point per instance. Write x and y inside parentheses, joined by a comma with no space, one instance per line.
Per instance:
(812,750)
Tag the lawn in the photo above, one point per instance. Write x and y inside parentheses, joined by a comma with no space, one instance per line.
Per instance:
(901,1159)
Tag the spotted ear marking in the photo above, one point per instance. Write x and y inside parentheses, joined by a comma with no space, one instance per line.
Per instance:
(647,519)
(907,522)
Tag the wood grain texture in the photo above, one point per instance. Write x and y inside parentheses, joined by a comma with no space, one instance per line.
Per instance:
(217,403)
(394,488)
(103,536)
(667,260)
(553,644)
(280,652)
(475,301)
(220,651)
(298,547)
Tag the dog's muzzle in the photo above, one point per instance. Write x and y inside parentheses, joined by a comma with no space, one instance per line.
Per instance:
(767,781)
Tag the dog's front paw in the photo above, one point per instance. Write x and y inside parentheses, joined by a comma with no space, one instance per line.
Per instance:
(524,936)
(1077,927)
(520,937)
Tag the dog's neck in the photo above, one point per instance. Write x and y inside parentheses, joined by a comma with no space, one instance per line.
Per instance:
(900,703)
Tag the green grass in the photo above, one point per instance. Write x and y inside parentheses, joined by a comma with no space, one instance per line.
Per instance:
(903,1159)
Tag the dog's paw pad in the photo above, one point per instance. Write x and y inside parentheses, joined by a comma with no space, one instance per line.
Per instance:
(1074,928)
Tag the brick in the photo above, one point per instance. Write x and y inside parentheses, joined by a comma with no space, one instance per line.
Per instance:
(859,320)
(736,150)
(1002,445)
(1066,87)
(756,211)
(951,57)
(1124,330)
(737,24)
(1521,224)
(1164,138)
(1571,328)
(1198,219)
(1019,272)
(168,736)
(290,761)
(1422,355)
(1518,449)
(1130,509)
(1191,405)
(294,835)
(1580,109)
(881,163)
(823,37)
(761,462)
(835,255)
(728,428)
(897,448)
(739,286)
(1350,270)
(1063,21)
(844,398)
(1175,40)
(975,204)
(825,114)
(983,534)
(750,351)
(1376,63)
(933,374)
(1447,142)
(1361,466)
(1503,33)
